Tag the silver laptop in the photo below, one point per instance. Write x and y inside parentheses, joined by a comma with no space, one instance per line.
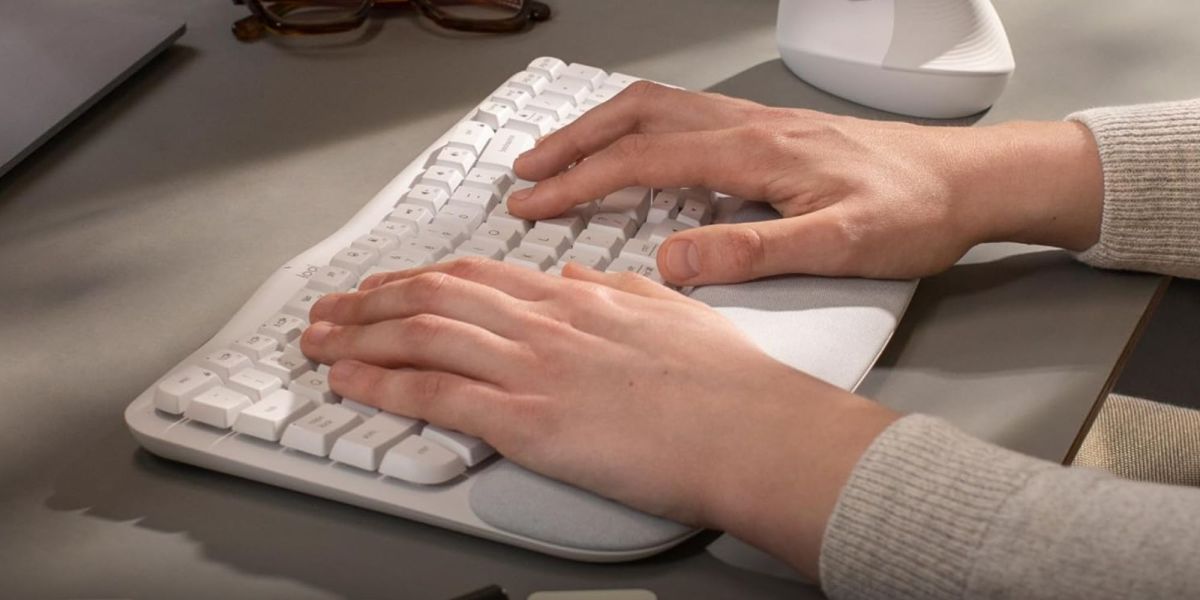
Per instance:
(58,58)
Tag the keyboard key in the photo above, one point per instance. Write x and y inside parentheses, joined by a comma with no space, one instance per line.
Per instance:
(532,122)
(550,239)
(258,345)
(591,76)
(432,197)
(488,248)
(267,418)
(355,259)
(570,225)
(446,178)
(555,107)
(533,257)
(286,365)
(491,180)
(505,233)
(428,248)
(695,212)
(494,114)
(358,407)
(512,96)
(633,202)
(606,240)
(471,135)
(501,215)
(573,90)
(617,82)
(314,386)
(459,159)
(467,216)
(412,214)
(453,233)
(531,82)
(217,407)
(255,384)
(176,390)
(377,242)
(401,260)
(419,460)
(504,149)
(365,445)
(332,279)
(285,328)
(471,450)
(642,251)
(474,197)
(622,225)
(659,232)
(226,362)
(664,206)
(588,256)
(627,263)
(397,229)
(316,432)
(548,67)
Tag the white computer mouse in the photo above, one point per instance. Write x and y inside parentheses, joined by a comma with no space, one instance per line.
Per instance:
(926,58)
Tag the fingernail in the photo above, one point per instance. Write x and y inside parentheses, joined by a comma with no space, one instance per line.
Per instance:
(343,370)
(323,307)
(683,259)
(317,332)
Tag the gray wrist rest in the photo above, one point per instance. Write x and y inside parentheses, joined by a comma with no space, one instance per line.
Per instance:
(833,329)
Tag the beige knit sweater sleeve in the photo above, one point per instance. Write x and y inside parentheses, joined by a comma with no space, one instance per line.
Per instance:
(930,512)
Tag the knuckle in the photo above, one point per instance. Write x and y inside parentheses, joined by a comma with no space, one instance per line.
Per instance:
(644,90)
(422,328)
(423,290)
(468,266)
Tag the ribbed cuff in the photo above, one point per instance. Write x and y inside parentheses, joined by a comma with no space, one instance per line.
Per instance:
(1150,154)
(917,508)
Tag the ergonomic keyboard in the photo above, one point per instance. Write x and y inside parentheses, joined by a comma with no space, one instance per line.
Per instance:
(251,404)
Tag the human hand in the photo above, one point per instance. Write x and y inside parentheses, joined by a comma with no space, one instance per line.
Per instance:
(607,381)
(861,198)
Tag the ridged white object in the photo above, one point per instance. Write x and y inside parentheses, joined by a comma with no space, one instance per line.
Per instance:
(926,58)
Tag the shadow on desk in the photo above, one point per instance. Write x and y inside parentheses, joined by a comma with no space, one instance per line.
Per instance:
(259,531)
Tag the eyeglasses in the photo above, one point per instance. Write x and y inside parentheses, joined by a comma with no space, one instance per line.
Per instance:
(333,16)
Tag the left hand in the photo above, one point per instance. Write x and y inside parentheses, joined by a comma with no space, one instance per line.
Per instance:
(609,382)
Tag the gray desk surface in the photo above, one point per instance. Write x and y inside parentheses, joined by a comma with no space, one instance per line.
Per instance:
(131,237)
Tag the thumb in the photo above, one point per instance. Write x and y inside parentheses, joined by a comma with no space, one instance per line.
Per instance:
(813,244)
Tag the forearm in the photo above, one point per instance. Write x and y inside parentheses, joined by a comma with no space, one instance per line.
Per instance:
(930,512)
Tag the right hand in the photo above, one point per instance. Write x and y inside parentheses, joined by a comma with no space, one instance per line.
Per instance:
(859,197)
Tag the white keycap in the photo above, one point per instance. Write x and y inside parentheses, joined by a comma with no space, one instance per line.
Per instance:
(419,460)
(355,259)
(315,432)
(547,66)
(643,251)
(597,98)
(365,410)
(397,229)
(695,212)
(269,416)
(471,450)
(591,76)
(365,445)
(504,148)
(623,225)
(332,279)
(530,81)
(427,248)
(664,206)
(432,197)
(401,260)
(533,257)
(453,233)
(618,81)
(453,157)
(254,384)
(573,90)
(286,365)
(471,135)
(507,234)
(475,197)
(258,345)
(446,178)
(492,180)
(488,248)
(494,114)
(549,239)
(570,225)
(468,216)
(633,202)
(501,215)
(412,214)
(217,407)
(661,231)
(226,362)
(300,305)
(512,96)
(535,123)
(628,263)
(284,327)
(556,107)
(377,242)
(588,256)
(605,240)
(176,390)
(313,385)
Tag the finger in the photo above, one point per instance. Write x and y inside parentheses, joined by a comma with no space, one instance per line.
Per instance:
(445,399)
(624,281)
(518,282)
(703,158)
(814,244)
(424,341)
(643,107)
(432,292)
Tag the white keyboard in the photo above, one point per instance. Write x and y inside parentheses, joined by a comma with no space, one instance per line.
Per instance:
(249,403)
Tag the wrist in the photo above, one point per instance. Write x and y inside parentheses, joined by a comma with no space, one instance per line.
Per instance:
(1034,183)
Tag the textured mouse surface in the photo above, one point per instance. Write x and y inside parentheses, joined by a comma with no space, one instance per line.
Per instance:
(511,498)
